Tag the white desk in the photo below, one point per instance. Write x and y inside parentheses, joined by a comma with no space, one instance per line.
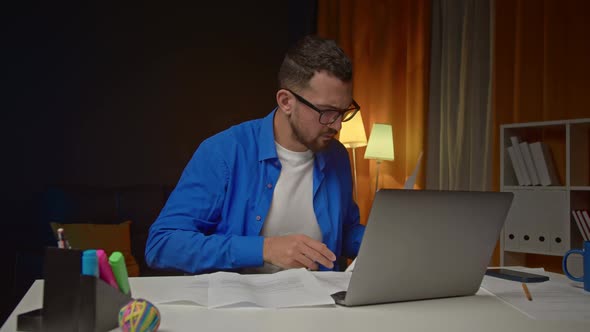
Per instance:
(482,312)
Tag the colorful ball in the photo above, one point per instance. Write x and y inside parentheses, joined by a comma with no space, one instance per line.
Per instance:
(139,315)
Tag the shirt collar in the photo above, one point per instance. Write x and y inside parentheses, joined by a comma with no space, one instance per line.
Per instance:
(266,138)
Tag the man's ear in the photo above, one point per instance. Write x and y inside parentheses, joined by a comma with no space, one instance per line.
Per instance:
(285,101)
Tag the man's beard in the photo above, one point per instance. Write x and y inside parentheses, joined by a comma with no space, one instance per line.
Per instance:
(313,145)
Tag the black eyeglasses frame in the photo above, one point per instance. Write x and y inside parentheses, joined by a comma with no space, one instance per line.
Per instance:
(345,114)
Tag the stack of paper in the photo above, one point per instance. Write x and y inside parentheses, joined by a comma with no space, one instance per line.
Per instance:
(289,288)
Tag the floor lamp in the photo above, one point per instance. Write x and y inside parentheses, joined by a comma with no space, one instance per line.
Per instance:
(380,146)
(353,136)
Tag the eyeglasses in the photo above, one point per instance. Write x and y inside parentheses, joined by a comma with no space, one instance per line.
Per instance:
(327,117)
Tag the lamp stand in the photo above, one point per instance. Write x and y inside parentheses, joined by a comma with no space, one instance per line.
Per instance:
(377,177)
(354,170)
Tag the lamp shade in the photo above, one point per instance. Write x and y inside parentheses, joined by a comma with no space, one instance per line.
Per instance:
(352,134)
(380,144)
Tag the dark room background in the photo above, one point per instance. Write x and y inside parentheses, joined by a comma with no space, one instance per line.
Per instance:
(104,94)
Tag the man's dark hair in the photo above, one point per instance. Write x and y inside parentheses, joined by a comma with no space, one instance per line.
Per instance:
(309,55)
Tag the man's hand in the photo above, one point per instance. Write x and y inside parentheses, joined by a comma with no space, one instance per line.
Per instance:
(294,251)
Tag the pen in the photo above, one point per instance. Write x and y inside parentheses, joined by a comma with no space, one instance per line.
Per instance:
(527,293)
(62,242)
(60,238)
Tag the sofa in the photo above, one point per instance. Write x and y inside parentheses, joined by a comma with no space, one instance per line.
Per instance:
(113,208)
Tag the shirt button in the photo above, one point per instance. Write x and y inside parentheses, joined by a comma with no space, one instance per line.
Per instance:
(258,218)
(269,185)
(276,163)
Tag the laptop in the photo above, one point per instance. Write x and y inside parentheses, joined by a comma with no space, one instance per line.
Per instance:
(423,244)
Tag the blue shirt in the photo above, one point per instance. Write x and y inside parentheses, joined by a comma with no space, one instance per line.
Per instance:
(213,218)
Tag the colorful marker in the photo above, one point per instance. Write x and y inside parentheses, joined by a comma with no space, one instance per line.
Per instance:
(89,263)
(117,262)
(105,271)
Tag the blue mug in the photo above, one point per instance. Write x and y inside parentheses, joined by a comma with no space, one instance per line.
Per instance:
(586,262)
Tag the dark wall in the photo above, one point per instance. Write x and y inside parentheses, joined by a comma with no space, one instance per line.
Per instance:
(103,94)
(109,95)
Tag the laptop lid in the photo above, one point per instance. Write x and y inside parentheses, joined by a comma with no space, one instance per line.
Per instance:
(422,244)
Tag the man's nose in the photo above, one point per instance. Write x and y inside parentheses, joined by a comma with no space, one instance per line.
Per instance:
(336,125)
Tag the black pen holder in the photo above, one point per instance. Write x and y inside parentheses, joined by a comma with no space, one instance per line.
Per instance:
(73,302)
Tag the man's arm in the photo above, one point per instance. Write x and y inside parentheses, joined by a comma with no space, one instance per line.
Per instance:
(352,230)
(183,236)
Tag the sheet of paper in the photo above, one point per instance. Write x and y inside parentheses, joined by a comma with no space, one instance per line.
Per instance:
(556,299)
(183,290)
(289,288)
(332,282)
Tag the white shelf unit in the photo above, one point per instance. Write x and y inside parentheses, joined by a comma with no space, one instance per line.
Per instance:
(539,220)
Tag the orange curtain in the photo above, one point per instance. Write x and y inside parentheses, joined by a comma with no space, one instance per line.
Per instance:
(541,63)
(388,43)
(541,70)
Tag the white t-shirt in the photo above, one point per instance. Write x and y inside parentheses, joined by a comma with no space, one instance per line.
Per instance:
(291,210)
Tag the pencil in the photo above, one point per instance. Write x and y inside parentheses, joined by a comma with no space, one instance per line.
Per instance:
(527,293)
(60,238)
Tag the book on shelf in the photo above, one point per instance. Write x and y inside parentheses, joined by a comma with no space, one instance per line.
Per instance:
(525,150)
(520,161)
(544,164)
(515,166)
(586,223)
(577,214)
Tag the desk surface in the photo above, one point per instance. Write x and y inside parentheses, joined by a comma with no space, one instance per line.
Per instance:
(482,312)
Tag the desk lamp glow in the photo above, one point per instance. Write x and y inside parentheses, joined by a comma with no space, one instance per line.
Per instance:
(353,136)
(380,146)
